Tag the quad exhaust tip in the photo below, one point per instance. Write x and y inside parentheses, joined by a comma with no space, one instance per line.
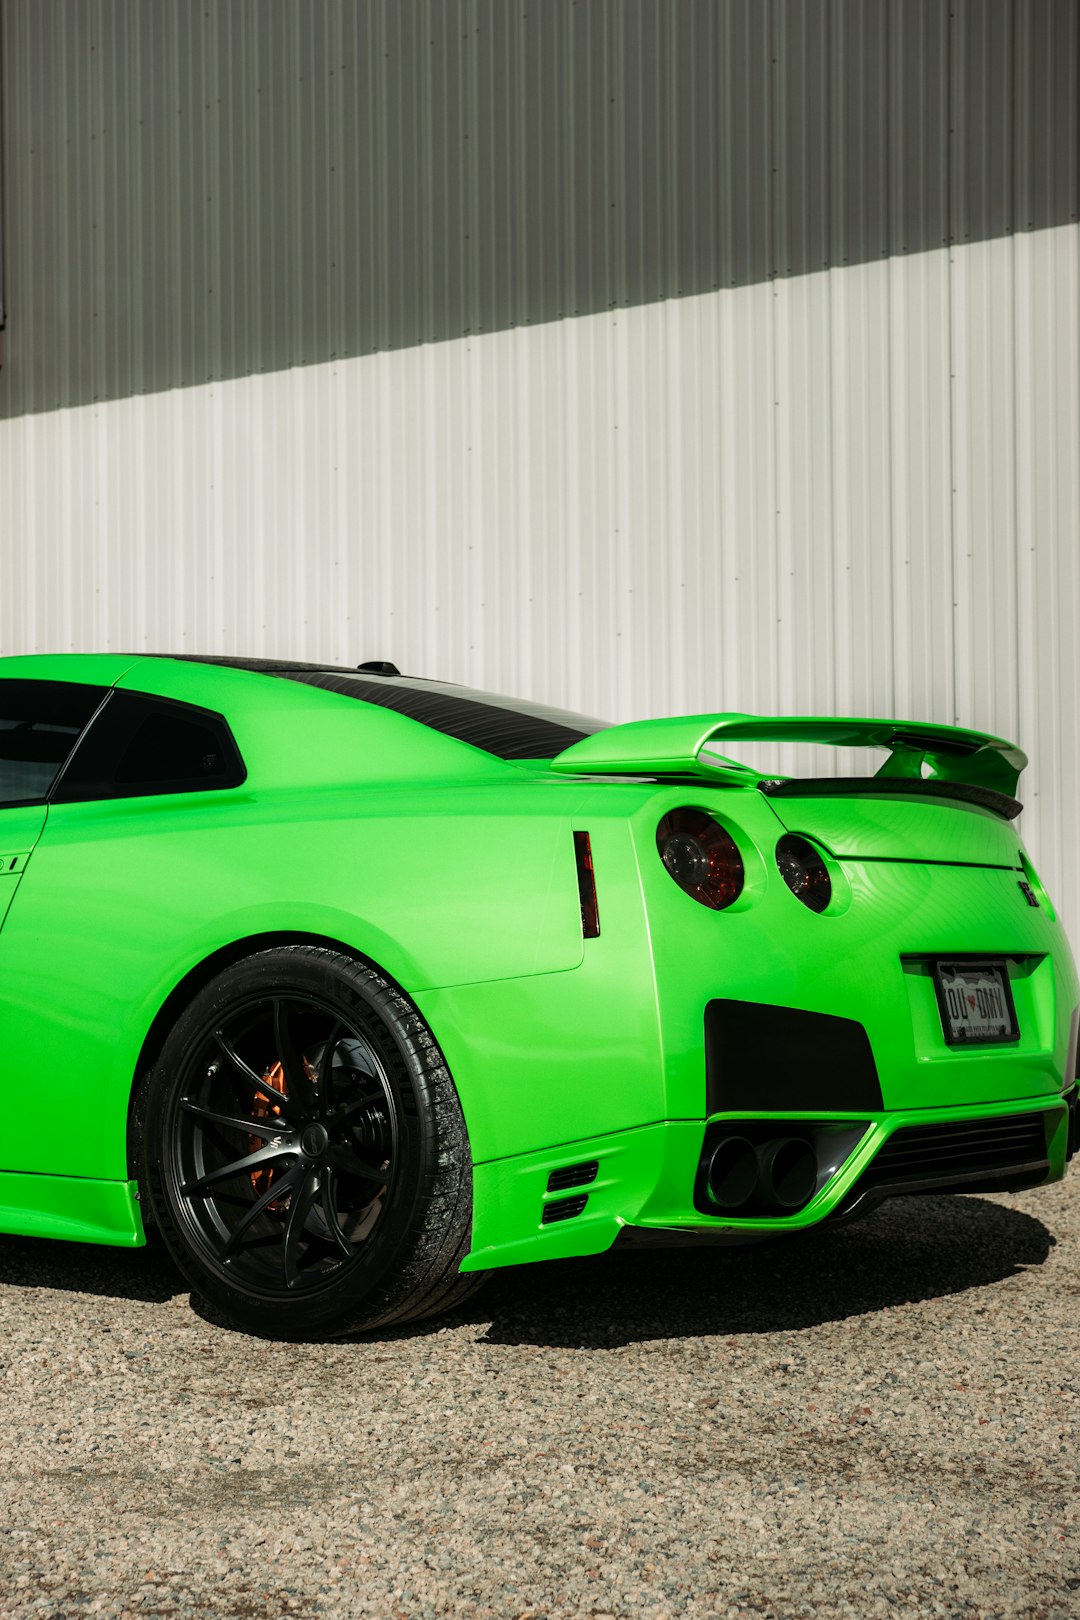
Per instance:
(733,1172)
(777,1175)
(787,1172)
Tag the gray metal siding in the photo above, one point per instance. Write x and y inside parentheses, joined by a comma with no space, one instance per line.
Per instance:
(200,189)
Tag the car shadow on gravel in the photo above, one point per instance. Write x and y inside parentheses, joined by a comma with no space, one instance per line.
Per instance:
(909,1250)
(146,1274)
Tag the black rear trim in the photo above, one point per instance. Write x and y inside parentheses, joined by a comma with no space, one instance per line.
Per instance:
(978,1155)
(492,724)
(780,1059)
(890,787)
(258,666)
(510,728)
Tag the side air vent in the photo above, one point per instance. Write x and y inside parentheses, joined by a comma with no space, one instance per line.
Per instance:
(563,1209)
(573,1175)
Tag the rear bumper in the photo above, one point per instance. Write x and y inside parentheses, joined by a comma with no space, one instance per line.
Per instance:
(645,1184)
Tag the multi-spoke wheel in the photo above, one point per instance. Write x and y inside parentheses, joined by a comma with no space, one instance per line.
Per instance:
(305,1150)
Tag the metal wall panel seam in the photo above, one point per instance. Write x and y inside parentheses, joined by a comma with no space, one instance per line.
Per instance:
(950,57)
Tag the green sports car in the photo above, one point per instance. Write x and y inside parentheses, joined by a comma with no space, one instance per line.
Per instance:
(357,986)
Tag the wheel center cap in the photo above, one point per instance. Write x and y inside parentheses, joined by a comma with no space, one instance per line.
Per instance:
(314,1139)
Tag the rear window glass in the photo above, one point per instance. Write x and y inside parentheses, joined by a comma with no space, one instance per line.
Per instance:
(140,745)
(508,727)
(40,723)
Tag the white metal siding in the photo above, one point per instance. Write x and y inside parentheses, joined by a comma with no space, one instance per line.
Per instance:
(856,491)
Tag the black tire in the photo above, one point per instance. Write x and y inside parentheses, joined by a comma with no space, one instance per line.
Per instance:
(304,1150)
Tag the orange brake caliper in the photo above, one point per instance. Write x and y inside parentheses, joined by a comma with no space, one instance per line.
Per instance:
(262,1108)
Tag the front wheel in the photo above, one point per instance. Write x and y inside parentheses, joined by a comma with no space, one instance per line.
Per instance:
(305,1153)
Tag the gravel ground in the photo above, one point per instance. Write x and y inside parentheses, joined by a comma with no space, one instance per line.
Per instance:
(881,1420)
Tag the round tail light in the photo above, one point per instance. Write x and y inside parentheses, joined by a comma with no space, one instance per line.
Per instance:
(804,871)
(701,857)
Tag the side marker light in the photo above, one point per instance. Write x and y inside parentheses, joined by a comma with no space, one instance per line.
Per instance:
(586,879)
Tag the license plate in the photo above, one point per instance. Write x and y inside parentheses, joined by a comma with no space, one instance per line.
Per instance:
(976,1003)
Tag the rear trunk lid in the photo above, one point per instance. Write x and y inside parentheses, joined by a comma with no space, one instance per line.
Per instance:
(877,825)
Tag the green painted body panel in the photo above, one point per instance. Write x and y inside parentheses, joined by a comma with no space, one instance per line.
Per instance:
(880,828)
(72,1207)
(121,901)
(454,873)
(86,669)
(20,829)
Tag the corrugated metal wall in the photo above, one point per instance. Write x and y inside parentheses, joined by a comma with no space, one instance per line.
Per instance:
(854,487)
(200,189)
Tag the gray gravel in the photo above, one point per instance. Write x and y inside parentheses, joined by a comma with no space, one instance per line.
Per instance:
(882,1420)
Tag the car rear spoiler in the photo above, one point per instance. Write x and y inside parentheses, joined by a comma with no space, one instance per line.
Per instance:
(690,745)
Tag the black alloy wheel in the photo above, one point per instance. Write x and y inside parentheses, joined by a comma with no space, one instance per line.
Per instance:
(305,1151)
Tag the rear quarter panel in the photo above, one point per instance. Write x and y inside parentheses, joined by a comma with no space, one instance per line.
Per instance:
(121,900)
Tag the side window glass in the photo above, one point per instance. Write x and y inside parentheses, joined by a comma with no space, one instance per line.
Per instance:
(140,745)
(40,723)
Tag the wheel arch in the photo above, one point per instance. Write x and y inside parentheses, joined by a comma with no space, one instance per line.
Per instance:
(188,987)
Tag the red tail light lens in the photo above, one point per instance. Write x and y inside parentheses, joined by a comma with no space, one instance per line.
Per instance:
(586,882)
(804,871)
(701,857)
